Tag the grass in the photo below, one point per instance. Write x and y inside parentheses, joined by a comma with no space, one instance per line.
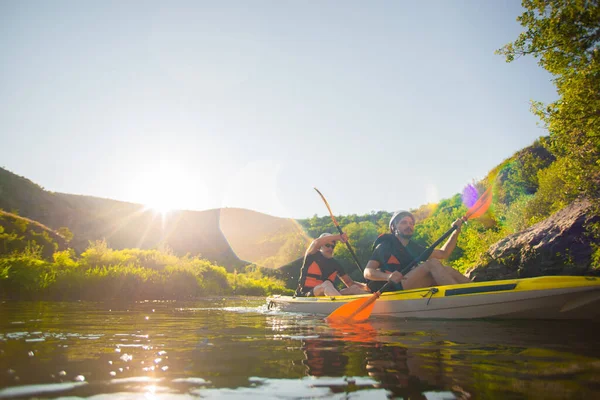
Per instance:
(102,273)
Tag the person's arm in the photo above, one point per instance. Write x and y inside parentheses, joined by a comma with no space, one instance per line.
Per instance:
(349,282)
(446,250)
(320,242)
(373,273)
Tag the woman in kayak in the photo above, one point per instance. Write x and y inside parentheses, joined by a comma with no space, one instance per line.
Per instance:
(394,251)
(320,269)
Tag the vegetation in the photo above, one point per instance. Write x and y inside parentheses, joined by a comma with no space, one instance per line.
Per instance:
(101,273)
(528,187)
(17,233)
(521,197)
(564,35)
(556,170)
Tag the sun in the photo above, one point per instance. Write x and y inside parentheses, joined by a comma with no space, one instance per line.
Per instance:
(164,187)
(160,205)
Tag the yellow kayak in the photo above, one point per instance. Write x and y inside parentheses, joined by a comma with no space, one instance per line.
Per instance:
(546,297)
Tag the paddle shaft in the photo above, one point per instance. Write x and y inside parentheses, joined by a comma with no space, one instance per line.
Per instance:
(350,250)
(340,231)
(428,250)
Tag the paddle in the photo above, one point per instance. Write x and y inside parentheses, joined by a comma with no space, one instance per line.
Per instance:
(360,310)
(340,230)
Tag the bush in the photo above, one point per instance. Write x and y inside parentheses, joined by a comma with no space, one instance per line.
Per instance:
(25,277)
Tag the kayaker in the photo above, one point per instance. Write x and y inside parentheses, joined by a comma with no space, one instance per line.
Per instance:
(394,251)
(320,269)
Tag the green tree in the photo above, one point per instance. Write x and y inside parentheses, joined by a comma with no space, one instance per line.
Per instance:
(565,36)
(66,233)
(361,236)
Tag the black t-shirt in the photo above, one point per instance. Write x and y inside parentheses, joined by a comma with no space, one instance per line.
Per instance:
(394,256)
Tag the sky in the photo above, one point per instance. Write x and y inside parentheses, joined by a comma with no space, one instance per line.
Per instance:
(381,105)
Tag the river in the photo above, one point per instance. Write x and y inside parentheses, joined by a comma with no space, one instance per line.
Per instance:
(236,348)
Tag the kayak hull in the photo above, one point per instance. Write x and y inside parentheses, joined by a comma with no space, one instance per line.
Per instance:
(551,297)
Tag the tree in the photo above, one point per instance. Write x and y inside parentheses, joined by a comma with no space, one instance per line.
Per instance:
(66,233)
(565,36)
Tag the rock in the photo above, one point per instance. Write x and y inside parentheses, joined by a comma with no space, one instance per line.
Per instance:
(559,245)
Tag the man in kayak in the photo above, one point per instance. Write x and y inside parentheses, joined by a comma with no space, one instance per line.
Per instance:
(394,251)
(320,269)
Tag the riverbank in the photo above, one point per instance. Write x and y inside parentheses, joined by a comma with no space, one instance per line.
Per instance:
(102,273)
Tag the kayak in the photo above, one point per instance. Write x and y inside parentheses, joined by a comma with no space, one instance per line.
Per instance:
(547,297)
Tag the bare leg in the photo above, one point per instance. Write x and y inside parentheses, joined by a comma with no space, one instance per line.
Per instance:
(326,289)
(445,273)
(433,273)
(354,289)
(417,278)
(458,277)
(440,274)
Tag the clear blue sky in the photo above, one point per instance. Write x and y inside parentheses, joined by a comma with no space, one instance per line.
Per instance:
(382,105)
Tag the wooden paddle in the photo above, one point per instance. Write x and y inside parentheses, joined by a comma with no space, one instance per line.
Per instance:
(360,310)
(340,230)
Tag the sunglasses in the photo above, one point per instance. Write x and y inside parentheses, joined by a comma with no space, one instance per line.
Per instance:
(331,246)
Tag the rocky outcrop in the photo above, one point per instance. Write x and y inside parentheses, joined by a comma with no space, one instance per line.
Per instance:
(559,245)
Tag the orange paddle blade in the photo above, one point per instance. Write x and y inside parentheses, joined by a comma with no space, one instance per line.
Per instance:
(328,208)
(355,311)
(480,206)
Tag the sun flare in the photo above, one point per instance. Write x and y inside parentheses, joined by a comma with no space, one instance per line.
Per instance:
(165,187)
(160,205)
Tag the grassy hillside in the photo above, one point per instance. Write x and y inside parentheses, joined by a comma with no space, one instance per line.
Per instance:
(18,234)
(255,237)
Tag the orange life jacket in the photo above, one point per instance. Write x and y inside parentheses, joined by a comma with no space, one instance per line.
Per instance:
(314,277)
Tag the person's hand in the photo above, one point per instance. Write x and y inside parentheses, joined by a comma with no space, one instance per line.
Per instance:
(344,238)
(395,277)
(458,224)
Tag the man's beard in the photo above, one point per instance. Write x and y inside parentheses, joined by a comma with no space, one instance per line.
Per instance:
(405,236)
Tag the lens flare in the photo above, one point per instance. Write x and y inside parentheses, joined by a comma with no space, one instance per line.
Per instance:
(469,195)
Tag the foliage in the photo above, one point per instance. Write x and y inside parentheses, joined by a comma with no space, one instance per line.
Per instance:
(556,190)
(25,276)
(66,233)
(361,235)
(102,273)
(17,233)
(596,257)
(255,283)
(565,36)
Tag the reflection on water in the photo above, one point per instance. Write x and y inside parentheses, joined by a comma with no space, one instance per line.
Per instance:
(237,348)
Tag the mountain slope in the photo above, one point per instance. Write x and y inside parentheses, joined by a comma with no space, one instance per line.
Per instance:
(256,237)
(18,233)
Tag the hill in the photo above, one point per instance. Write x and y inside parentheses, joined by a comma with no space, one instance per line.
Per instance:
(255,237)
(18,233)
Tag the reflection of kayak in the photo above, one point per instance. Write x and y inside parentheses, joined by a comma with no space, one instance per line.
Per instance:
(548,297)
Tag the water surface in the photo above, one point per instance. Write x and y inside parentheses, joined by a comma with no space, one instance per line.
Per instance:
(236,348)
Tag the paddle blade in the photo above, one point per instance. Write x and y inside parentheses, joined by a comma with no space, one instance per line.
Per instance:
(355,311)
(329,209)
(480,206)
